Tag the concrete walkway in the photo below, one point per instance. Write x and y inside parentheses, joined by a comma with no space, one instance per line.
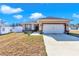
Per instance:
(61,48)
(35,33)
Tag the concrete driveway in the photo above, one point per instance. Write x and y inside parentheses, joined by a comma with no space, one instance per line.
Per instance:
(61,45)
(63,37)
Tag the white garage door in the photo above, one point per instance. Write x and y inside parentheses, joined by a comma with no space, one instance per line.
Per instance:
(53,28)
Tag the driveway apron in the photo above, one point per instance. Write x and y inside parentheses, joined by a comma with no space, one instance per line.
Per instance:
(57,45)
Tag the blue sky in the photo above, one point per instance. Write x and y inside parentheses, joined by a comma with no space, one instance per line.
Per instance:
(25,12)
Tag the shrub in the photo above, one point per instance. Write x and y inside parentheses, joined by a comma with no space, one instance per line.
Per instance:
(28,33)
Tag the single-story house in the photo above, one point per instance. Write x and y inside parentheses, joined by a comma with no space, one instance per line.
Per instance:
(73,27)
(42,25)
(17,29)
(48,25)
(7,29)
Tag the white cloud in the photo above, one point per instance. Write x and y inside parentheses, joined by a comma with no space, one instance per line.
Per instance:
(1,20)
(36,16)
(75,15)
(9,10)
(18,16)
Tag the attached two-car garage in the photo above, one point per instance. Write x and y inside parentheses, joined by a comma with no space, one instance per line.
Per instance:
(53,25)
(53,28)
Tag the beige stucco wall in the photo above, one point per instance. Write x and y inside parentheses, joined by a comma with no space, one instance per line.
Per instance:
(52,21)
(48,21)
(32,25)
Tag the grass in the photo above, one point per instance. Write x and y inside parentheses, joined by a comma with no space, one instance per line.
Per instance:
(20,44)
(74,33)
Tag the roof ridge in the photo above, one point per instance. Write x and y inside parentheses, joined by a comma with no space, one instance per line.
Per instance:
(52,18)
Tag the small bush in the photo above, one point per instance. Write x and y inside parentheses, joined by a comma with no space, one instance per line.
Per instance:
(28,33)
(25,32)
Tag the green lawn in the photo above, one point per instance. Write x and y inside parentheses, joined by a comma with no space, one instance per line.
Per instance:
(20,44)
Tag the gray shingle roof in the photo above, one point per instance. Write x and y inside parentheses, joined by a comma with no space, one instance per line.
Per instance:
(54,18)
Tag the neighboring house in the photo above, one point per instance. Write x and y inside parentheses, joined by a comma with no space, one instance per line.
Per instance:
(17,29)
(5,29)
(8,29)
(73,27)
(49,25)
